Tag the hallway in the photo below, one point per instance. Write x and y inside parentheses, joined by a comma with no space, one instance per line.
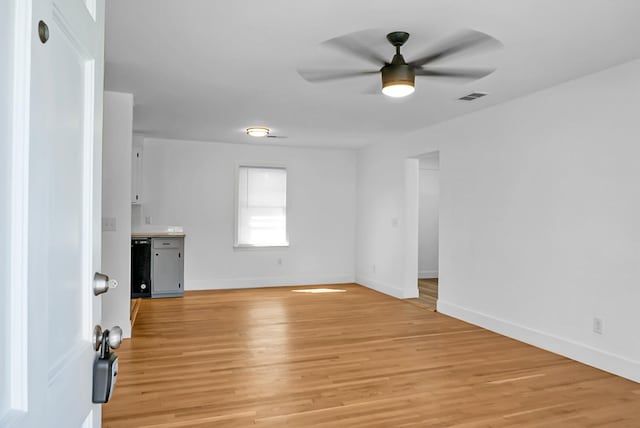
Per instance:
(428,294)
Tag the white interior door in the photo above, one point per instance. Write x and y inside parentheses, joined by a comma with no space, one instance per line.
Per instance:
(56,73)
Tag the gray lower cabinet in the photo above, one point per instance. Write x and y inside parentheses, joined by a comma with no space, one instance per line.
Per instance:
(167,267)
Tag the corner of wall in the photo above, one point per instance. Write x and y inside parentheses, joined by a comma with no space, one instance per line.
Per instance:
(116,204)
(380,287)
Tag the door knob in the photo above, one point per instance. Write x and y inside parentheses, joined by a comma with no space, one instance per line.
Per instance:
(97,337)
(111,338)
(115,337)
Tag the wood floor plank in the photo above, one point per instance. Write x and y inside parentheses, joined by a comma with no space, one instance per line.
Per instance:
(427,294)
(275,358)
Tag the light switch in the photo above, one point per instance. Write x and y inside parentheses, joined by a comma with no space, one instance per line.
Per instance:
(108,224)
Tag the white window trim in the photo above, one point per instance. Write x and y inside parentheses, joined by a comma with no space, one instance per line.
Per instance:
(236,192)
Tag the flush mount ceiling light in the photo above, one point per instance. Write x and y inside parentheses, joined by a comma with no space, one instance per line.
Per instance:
(258,131)
(398,76)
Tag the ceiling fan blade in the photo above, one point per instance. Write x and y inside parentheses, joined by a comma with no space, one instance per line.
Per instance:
(463,41)
(373,89)
(326,75)
(455,73)
(350,45)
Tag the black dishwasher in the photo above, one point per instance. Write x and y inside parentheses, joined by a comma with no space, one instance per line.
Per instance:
(140,267)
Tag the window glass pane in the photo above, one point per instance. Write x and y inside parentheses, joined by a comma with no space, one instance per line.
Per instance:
(262,206)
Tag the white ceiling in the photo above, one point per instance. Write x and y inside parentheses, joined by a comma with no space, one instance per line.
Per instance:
(207,69)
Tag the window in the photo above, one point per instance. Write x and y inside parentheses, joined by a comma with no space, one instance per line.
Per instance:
(262,207)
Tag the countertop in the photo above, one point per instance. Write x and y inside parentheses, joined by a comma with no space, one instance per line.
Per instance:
(157,231)
(157,234)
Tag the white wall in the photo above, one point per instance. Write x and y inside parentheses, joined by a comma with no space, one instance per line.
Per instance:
(429,195)
(539,209)
(192,184)
(6,89)
(116,203)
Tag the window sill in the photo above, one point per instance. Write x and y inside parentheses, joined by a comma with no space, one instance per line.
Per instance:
(259,247)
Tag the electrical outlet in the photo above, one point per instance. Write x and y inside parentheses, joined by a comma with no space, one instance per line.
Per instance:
(147,220)
(108,224)
(597,326)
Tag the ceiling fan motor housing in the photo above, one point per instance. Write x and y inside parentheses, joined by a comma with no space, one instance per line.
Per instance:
(397,74)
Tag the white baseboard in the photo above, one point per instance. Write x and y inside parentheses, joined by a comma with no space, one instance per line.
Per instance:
(259,282)
(603,360)
(427,274)
(380,287)
(126,330)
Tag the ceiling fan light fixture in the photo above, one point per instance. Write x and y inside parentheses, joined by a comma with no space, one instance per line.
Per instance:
(398,80)
(258,131)
(398,90)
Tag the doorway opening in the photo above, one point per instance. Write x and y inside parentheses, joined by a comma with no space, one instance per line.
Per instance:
(428,226)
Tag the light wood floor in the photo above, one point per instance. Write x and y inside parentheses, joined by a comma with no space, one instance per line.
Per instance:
(427,293)
(276,358)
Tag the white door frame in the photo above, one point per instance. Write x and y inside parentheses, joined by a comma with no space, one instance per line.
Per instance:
(18,249)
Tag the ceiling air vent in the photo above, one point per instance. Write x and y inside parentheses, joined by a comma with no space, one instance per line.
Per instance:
(473,96)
